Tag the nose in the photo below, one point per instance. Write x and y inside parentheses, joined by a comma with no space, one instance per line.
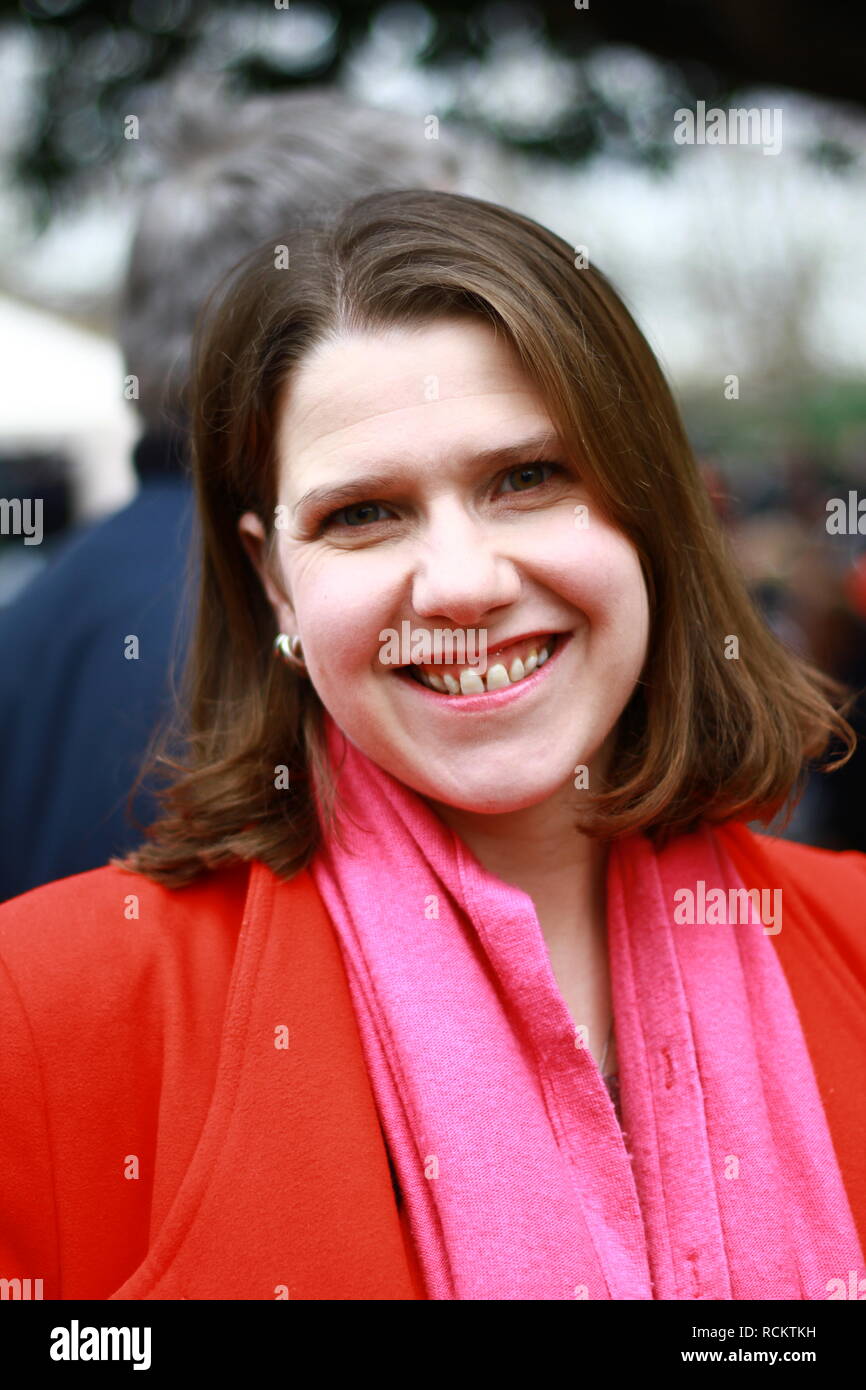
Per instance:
(461,571)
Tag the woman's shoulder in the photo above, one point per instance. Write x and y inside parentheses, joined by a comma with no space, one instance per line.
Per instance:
(98,934)
(807,866)
(822,891)
(79,895)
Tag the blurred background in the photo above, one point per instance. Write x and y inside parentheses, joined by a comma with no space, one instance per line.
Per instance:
(743,266)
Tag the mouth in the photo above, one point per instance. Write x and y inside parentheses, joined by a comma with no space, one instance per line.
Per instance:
(503,680)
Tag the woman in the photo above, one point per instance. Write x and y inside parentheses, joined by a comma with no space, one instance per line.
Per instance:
(412,905)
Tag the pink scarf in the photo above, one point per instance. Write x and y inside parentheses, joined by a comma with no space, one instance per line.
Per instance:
(516,1176)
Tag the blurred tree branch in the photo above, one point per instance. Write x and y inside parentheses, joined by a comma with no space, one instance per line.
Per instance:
(97,59)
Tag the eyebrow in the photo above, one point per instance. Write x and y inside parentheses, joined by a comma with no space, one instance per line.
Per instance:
(366,485)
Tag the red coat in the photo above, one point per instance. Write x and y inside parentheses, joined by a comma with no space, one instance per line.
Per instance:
(158,1141)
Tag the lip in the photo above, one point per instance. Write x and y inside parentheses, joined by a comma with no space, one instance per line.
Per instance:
(493,699)
(493,649)
(501,644)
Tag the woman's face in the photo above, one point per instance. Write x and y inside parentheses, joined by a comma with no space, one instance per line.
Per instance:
(453,535)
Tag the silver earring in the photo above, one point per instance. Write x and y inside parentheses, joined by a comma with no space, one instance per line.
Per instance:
(289,648)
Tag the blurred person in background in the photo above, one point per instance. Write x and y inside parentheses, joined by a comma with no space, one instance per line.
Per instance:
(805,581)
(88,647)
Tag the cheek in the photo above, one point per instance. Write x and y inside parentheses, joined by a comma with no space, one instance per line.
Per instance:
(608,587)
(343,601)
(600,571)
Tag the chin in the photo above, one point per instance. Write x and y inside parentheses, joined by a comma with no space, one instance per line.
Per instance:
(484,795)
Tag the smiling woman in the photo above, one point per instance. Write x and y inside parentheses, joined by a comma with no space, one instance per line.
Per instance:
(454,539)
(420,913)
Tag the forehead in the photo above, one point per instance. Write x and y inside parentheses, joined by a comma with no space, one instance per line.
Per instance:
(426,387)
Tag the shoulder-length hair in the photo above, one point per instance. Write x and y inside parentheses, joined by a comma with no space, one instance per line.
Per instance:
(702,737)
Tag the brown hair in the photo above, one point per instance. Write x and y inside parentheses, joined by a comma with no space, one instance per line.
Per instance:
(702,737)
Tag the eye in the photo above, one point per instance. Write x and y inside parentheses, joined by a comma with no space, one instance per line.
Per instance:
(354,516)
(523,469)
(347,512)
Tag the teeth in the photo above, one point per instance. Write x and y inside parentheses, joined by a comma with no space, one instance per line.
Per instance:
(471,683)
(498,677)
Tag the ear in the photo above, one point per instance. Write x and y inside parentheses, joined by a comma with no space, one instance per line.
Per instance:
(253,540)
